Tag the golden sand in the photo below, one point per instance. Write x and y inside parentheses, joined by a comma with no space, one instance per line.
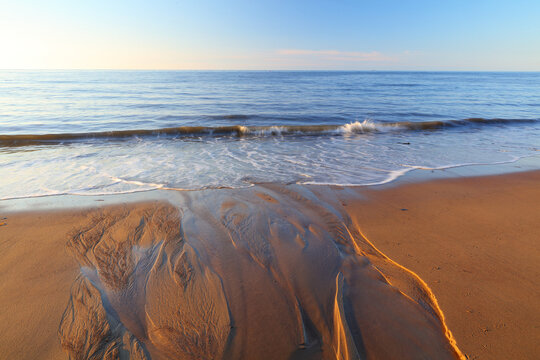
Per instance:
(277,272)
(475,241)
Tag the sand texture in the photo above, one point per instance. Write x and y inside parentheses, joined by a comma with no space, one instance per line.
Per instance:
(476,243)
(269,272)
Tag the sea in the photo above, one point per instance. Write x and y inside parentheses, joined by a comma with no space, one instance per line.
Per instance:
(110,132)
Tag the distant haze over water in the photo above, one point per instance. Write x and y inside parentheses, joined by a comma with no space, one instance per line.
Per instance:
(236,128)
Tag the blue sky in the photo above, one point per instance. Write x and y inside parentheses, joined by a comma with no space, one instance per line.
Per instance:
(348,35)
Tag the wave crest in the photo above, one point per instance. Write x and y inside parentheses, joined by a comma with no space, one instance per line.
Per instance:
(356,127)
(359,127)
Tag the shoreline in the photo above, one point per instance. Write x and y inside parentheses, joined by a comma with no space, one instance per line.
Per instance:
(273,254)
(416,175)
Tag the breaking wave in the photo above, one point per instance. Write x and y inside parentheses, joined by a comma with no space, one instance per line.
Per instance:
(357,127)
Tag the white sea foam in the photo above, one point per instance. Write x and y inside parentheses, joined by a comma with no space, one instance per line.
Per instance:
(392,175)
(359,127)
(268,131)
(138,183)
(105,167)
(513,159)
(243,129)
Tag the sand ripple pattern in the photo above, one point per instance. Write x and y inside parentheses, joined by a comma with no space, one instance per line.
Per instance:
(142,291)
(269,272)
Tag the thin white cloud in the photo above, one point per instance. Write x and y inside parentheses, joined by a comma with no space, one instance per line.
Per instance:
(336,55)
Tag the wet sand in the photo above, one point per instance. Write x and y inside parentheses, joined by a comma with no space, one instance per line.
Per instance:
(278,272)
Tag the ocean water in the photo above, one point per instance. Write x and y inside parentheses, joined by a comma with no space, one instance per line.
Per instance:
(106,132)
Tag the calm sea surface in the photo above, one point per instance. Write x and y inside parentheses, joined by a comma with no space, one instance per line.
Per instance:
(233,129)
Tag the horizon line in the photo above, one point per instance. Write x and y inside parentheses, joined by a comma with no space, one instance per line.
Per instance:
(258,70)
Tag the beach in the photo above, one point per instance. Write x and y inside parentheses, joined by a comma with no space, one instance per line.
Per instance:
(269,180)
(474,240)
(430,269)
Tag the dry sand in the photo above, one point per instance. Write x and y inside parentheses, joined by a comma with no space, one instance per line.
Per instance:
(278,272)
(476,242)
